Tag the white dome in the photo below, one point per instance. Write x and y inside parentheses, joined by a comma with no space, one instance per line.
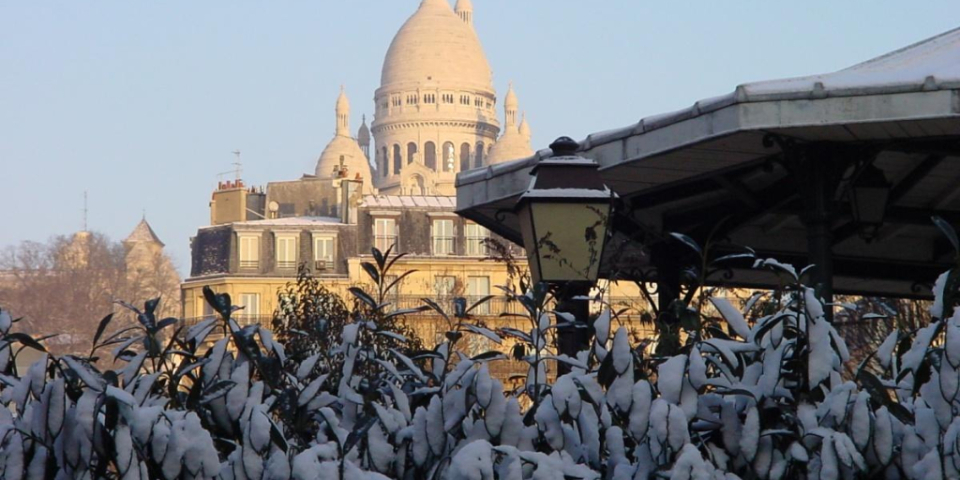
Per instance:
(436,46)
(343,148)
(511,146)
(353,159)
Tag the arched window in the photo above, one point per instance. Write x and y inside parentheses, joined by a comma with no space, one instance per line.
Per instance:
(397,159)
(385,163)
(464,157)
(449,157)
(430,155)
(411,152)
(478,159)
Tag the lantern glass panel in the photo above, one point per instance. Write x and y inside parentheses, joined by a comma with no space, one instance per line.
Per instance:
(564,239)
(870,204)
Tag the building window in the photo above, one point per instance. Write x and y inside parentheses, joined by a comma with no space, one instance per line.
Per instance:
(476,238)
(385,170)
(465,100)
(251,307)
(430,155)
(477,288)
(412,99)
(411,152)
(429,98)
(395,101)
(397,160)
(478,157)
(323,252)
(249,251)
(478,102)
(384,233)
(443,238)
(464,157)
(448,156)
(447,98)
(207,309)
(287,252)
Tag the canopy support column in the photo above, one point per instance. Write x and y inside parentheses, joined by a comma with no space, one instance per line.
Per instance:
(819,169)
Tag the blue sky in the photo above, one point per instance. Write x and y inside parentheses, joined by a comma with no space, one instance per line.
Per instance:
(140,103)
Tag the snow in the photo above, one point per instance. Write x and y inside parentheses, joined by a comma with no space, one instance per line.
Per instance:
(911,360)
(733,316)
(937,57)
(670,376)
(750,434)
(473,462)
(821,360)
(775,265)
(885,351)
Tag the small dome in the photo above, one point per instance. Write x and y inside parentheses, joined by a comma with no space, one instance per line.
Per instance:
(353,159)
(511,146)
(435,45)
(510,102)
(525,127)
(363,135)
(343,149)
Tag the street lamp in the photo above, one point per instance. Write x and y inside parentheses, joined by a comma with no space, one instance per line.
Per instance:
(869,196)
(564,217)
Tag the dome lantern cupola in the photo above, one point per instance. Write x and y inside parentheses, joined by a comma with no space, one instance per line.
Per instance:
(464,10)
(363,137)
(343,157)
(515,141)
(510,106)
(343,114)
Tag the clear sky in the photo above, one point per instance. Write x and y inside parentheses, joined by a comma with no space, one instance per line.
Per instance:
(140,103)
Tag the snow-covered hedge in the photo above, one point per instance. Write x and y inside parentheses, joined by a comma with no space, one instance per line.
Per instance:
(763,398)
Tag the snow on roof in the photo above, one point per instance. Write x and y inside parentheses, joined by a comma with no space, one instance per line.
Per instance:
(929,65)
(287,221)
(935,60)
(569,193)
(401,201)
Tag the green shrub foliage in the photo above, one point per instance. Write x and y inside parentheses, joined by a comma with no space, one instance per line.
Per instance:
(744,399)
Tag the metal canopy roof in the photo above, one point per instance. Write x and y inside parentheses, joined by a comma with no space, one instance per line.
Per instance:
(682,171)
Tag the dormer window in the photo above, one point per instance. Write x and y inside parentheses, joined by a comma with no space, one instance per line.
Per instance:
(286,252)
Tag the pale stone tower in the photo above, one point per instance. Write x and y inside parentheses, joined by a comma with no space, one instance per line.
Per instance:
(515,141)
(343,158)
(363,138)
(436,105)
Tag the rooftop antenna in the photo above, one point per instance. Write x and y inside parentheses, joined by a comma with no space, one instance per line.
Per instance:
(237,168)
(84,210)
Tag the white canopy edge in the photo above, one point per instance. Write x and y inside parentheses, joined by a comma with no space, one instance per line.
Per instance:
(917,82)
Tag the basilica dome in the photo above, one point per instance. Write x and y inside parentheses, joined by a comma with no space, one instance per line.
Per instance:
(343,152)
(436,46)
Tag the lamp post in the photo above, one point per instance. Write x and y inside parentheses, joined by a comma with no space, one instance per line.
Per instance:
(869,195)
(564,219)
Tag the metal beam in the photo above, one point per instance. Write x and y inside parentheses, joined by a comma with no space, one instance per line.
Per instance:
(740,191)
